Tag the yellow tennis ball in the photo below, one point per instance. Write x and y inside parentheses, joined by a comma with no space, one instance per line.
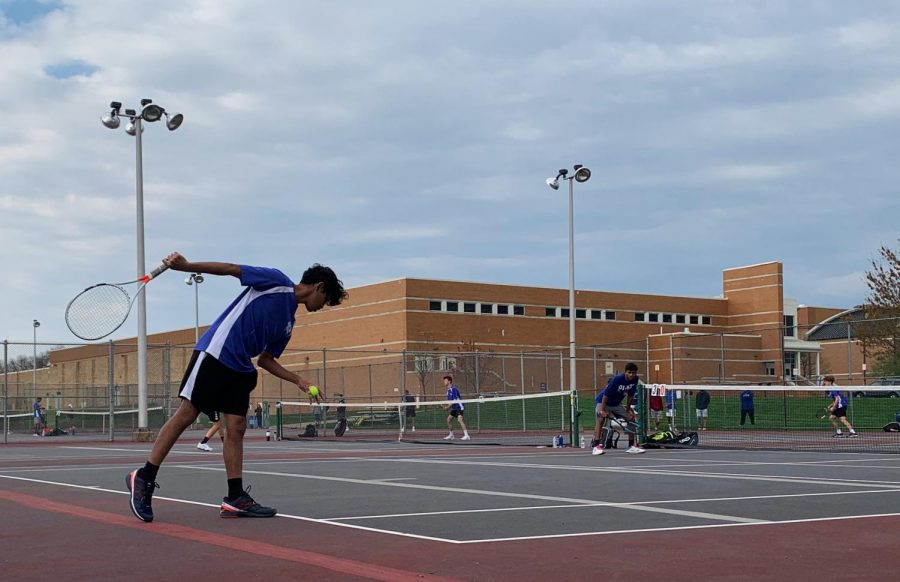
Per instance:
(313,392)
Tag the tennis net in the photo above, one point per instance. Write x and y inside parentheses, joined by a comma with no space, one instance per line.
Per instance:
(525,419)
(19,423)
(775,417)
(73,422)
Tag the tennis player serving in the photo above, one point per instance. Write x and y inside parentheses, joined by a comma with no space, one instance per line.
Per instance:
(221,375)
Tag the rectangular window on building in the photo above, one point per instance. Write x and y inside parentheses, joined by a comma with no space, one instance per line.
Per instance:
(610,315)
(789,326)
(653,317)
(564,312)
(639,316)
(706,320)
(596,314)
(452,306)
(581,314)
(518,310)
(503,310)
(667,317)
(434,306)
(487,308)
(679,318)
(469,307)
(550,311)
(694,320)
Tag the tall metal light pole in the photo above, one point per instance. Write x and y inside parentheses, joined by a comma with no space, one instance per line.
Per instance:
(150,113)
(195,279)
(35,324)
(580,174)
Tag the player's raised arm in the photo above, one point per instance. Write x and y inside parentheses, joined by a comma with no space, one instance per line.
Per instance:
(177,262)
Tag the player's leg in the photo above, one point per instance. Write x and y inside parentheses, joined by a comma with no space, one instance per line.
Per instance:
(597,442)
(450,436)
(462,424)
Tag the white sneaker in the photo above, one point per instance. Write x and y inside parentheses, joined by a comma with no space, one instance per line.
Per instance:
(635,450)
(449,437)
(466,437)
(204,447)
(414,429)
(598,450)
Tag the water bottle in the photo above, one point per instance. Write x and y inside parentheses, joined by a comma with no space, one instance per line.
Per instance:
(268,435)
(583,444)
(560,442)
(554,443)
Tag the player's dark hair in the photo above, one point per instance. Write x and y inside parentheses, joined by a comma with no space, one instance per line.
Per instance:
(829,379)
(334,289)
(631,367)
(448,377)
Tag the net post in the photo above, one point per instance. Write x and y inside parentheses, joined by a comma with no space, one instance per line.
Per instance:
(112,390)
(278,421)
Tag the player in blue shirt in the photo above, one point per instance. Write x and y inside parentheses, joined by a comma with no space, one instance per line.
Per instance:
(609,403)
(221,374)
(455,409)
(838,409)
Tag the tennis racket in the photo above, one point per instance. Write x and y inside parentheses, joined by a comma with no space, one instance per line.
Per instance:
(823,413)
(101,309)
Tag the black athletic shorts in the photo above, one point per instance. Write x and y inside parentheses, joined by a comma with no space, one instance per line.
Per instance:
(840,412)
(410,411)
(456,413)
(213,387)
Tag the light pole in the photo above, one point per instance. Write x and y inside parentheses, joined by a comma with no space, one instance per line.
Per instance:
(580,174)
(150,113)
(195,279)
(35,324)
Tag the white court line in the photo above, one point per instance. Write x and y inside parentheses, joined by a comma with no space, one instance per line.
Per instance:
(675,528)
(639,471)
(695,514)
(216,505)
(604,504)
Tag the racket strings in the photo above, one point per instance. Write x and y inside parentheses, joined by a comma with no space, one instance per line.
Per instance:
(98,311)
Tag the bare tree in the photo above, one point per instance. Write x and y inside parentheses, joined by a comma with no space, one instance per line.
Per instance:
(880,333)
(25,363)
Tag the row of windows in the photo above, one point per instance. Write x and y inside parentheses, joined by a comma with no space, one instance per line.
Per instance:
(675,318)
(467,307)
(563,312)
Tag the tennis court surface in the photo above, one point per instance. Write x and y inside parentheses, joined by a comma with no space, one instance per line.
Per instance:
(398,511)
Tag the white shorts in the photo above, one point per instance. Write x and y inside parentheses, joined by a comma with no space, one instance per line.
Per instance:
(702,413)
(670,412)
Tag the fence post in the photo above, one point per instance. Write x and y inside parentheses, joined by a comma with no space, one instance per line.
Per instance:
(722,358)
(5,392)
(522,374)
(111,391)
(167,384)
(849,354)
(477,375)
(403,375)
(324,371)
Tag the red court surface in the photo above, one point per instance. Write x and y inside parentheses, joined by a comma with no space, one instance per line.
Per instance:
(398,512)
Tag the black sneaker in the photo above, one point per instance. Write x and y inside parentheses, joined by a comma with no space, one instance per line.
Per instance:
(141,495)
(837,435)
(244,506)
(852,435)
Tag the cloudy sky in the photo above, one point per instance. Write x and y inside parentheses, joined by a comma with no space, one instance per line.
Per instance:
(411,138)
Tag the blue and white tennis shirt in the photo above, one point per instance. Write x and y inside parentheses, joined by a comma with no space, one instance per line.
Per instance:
(454,396)
(838,394)
(261,319)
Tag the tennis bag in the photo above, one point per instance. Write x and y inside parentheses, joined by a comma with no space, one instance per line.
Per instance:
(891,427)
(666,439)
(309,431)
(341,427)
